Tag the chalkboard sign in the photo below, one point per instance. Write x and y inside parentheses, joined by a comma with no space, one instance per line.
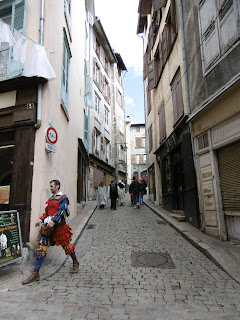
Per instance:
(10,237)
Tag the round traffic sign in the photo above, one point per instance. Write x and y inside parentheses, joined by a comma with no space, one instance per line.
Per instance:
(52,135)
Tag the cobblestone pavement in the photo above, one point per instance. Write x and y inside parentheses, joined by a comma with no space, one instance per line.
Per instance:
(108,286)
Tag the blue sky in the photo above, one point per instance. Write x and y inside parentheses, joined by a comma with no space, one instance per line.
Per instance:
(119,20)
(134,101)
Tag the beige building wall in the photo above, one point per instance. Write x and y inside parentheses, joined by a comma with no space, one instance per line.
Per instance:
(162,94)
(220,120)
(61,165)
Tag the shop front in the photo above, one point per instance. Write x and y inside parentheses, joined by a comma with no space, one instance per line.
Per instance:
(179,188)
(17,138)
(99,172)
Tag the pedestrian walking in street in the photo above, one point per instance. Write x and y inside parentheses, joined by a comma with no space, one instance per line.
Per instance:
(113,193)
(135,189)
(101,196)
(54,230)
(121,193)
(143,191)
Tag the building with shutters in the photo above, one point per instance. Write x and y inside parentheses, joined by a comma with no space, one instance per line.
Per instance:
(118,120)
(212,34)
(30,104)
(107,129)
(171,176)
(136,152)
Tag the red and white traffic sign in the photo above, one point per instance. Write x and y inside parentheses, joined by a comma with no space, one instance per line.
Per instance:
(51,135)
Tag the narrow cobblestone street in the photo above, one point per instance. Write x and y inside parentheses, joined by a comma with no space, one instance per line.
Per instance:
(108,286)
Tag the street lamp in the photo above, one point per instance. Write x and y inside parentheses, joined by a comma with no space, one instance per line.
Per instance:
(125,145)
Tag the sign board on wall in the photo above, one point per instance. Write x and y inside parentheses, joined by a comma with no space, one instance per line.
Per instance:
(10,237)
(51,138)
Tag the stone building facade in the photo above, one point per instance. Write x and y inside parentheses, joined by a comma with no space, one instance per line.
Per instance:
(136,152)
(212,34)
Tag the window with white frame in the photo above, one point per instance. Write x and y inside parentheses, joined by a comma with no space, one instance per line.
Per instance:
(97,107)
(96,72)
(203,141)
(137,158)
(119,99)
(65,71)
(97,139)
(144,142)
(106,118)
(107,150)
(219,29)
(145,158)
(13,13)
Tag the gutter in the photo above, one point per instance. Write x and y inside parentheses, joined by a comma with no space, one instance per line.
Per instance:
(39,92)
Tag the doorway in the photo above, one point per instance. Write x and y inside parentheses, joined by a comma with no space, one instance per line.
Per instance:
(178,180)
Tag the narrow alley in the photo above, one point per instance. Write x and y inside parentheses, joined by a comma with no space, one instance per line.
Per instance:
(115,282)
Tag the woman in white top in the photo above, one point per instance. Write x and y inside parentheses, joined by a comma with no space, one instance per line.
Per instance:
(101,196)
(121,193)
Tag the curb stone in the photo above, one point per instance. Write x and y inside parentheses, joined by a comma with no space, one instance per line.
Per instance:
(208,251)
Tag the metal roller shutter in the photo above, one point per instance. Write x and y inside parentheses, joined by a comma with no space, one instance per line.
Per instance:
(229,172)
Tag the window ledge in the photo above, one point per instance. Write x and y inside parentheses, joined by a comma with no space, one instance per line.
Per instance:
(65,109)
(181,119)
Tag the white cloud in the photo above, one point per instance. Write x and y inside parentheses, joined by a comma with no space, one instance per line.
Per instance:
(129,101)
(119,20)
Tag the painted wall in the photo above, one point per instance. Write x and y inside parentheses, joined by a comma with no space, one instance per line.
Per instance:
(61,165)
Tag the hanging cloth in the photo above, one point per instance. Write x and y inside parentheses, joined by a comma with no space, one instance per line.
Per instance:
(20,48)
(6,34)
(37,64)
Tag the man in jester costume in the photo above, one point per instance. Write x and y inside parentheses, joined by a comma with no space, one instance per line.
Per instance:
(57,231)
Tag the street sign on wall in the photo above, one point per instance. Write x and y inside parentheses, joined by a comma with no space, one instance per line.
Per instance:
(51,135)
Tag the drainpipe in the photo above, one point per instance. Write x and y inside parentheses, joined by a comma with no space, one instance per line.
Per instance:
(39,93)
(186,76)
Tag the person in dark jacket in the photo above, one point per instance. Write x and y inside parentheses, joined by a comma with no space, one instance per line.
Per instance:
(142,192)
(135,189)
(113,193)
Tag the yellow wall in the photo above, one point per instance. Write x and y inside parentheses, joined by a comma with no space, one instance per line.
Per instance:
(224,107)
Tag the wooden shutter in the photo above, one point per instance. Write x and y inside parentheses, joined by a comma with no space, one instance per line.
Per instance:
(100,81)
(209,33)
(229,172)
(141,159)
(137,142)
(162,123)
(94,67)
(150,37)
(150,138)
(228,25)
(133,159)
(86,131)
(93,140)
(173,15)
(94,41)
(102,56)
(151,75)
(109,94)
(164,44)
(158,4)
(149,101)
(177,99)
(102,144)
(145,64)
